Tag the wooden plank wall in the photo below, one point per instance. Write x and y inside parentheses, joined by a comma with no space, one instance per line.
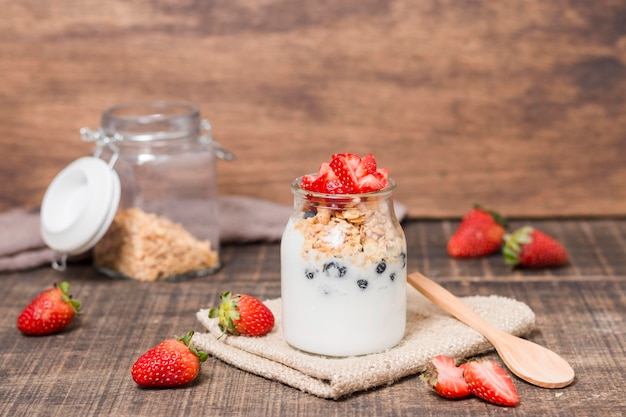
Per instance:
(519,105)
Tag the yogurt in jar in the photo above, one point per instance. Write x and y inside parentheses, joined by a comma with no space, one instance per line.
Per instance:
(343,273)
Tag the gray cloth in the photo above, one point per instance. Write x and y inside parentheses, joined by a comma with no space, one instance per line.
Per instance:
(430,331)
(241,220)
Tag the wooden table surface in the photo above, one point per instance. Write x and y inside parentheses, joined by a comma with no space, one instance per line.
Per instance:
(580,311)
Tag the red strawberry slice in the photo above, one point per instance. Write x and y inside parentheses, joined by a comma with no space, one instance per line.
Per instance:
(327,180)
(369,183)
(366,166)
(308,182)
(446,378)
(489,381)
(347,173)
(382,173)
(344,165)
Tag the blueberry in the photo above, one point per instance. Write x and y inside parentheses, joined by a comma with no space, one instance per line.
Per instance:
(309,274)
(362,283)
(392,276)
(333,268)
(380,268)
(403,256)
(309,213)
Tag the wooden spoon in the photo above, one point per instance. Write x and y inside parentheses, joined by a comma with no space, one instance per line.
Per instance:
(527,360)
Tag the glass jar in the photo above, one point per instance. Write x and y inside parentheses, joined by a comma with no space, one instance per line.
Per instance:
(343,273)
(165,222)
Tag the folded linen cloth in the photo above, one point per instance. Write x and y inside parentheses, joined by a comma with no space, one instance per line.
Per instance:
(241,220)
(430,331)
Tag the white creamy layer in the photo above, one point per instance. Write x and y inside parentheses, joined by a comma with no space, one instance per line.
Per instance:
(340,305)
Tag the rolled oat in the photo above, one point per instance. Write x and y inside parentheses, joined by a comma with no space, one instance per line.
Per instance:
(147,247)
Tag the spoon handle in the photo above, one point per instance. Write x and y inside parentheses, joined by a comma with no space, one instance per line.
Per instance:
(450,303)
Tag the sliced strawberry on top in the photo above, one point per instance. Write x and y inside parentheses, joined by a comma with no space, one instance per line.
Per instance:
(308,182)
(382,173)
(327,180)
(366,166)
(347,173)
(344,165)
(370,183)
(332,185)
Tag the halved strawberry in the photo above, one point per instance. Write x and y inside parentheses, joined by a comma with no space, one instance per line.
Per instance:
(489,381)
(446,378)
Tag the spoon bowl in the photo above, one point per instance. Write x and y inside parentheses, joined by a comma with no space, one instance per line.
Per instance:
(529,361)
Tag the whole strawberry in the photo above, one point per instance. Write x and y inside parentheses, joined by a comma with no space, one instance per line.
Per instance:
(480,233)
(242,314)
(52,311)
(446,378)
(170,364)
(528,247)
(489,381)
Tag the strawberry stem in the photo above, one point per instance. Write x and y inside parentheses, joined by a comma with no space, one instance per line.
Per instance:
(67,297)
(186,340)
(497,217)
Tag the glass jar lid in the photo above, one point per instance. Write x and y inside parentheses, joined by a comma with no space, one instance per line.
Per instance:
(79,206)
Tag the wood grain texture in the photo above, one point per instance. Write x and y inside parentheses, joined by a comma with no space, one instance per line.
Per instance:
(580,313)
(518,105)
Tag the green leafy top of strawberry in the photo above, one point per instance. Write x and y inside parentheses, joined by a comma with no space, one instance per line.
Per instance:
(68,298)
(513,244)
(496,216)
(186,340)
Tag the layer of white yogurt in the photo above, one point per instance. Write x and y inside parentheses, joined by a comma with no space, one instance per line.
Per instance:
(340,306)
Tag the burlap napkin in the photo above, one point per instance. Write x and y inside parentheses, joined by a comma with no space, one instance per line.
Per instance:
(241,220)
(430,331)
